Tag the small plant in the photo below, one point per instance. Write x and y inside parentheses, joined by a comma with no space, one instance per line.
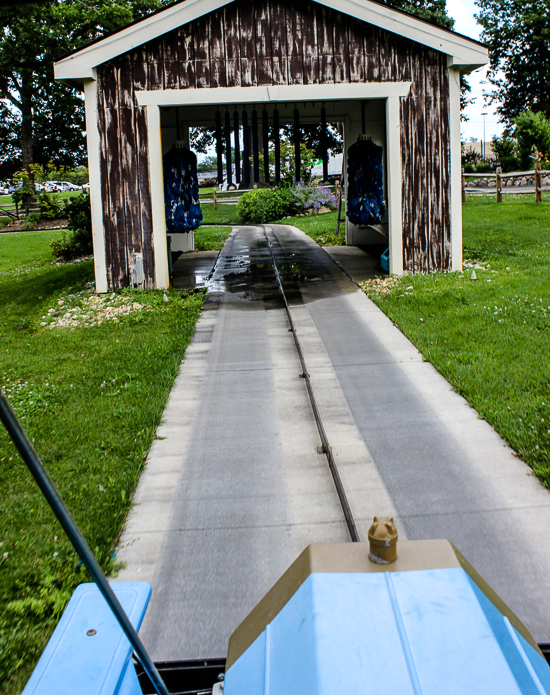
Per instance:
(79,241)
(49,207)
(312,197)
(4,221)
(265,204)
(31,221)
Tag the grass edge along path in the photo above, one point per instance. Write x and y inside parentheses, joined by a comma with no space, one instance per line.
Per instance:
(489,337)
(90,395)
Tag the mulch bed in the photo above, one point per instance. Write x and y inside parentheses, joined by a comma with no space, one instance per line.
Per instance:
(16,225)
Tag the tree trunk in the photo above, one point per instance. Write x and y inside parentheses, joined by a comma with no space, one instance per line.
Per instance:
(26,119)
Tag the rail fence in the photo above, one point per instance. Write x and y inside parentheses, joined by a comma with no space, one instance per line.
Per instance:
(500,183)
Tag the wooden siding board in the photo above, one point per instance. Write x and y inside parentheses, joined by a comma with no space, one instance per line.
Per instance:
(105,197)
(445,144)
(231,28)
(246,31)
(371,51)
(128,182)
(341,49)
(407,157)
(309,47)
(144,194)
(117,222)
(278,29)
(248,72)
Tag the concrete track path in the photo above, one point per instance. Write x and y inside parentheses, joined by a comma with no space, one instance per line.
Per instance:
(234,488)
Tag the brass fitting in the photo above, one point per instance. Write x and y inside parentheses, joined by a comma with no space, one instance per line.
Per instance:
(383,541)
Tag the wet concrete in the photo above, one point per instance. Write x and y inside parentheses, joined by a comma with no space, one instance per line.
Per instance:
(234,488)
(191,270)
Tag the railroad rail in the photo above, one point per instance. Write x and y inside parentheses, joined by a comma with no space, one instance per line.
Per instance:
(325,447)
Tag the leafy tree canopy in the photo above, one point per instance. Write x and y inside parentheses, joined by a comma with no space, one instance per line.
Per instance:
(433,11)
(517,33)
(43,120)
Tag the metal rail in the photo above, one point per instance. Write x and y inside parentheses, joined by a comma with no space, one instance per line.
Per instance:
(46,485)
(325,445)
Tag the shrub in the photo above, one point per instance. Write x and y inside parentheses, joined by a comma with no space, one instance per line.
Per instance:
(312,197)
(533,136)
(264,205)
(49,207)
(79,241)
(484,167)
(469,168)
(31,221)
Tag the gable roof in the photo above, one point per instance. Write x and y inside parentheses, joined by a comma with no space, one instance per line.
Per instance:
(79,66)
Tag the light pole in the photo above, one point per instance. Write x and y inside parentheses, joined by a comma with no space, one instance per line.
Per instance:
(483,143)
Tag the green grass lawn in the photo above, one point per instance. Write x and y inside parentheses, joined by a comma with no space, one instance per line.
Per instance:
(321,228)
(489,337)
(90,399)
(211,238)
(224,214)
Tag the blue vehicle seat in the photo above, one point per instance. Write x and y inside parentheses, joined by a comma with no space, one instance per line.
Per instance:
(88,653)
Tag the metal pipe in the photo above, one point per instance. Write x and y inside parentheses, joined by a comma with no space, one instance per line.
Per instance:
(219,146)
(265,139)
(246,149)
(297,141)
(236,132)
(46,485)
(277,141)
(228,166)
(324,152)
(326,448)
(255,147)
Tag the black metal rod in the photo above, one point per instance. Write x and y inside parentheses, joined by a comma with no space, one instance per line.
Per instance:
(246,149)
(327,449)
(324,139)
(277,143)
(228,167)
(255,146)
(236,132)
(265,139)
(219,146)
(297,140)
(46,485)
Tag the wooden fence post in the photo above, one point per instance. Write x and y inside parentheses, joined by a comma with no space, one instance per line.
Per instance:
(538,183)
(17,209)
(499,185)
(463,187)
(215,201)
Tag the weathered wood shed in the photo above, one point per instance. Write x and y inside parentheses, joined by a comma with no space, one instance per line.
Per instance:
(369,66)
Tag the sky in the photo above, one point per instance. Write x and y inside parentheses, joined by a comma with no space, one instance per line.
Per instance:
(463,11)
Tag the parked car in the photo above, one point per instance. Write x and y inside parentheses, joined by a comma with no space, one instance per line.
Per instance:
(13,188)
(3,189)
(85,186)
(64,186)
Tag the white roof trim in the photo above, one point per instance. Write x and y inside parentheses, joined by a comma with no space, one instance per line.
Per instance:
(253,95)
(80,65)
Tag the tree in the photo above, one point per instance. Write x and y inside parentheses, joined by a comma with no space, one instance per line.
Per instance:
(517,33)
(532,134)
(43,120)
(433,11)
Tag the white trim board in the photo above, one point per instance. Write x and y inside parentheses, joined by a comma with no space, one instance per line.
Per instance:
(79,66)
(258,95)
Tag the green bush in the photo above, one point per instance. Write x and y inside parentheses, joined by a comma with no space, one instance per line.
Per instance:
(49,207)
(79,219)
(469,168)
(264,205)
(31,221)
(484,167)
